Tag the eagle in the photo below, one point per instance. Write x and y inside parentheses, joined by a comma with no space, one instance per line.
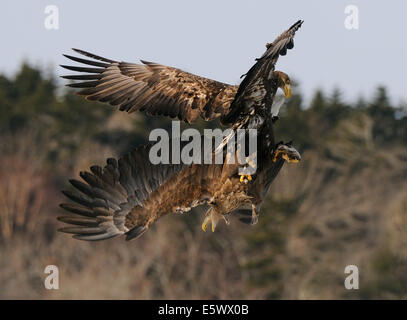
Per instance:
(128,195)
(161,90)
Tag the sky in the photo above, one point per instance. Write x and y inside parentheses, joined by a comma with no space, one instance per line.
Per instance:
(219,39)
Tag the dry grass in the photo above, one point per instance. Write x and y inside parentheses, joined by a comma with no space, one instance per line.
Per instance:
(24,187)
(352,211)
(169,262)
(173,260)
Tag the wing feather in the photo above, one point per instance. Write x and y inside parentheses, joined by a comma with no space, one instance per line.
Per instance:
(128,195)
(150,87)
(255,87)
(107,196)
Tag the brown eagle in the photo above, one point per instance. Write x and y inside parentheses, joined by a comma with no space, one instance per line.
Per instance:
(161,90)
(127,196)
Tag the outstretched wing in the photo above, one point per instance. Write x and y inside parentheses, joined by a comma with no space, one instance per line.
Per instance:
(127,196)
(106,196)
(255,85)
(265,65)
(150,87)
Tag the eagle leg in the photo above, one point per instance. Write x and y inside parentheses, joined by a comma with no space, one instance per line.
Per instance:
(205,222)
(213,217)
(255,215)
(248,177)
(245,178)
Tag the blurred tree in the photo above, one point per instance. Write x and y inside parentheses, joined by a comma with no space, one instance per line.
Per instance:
(63,125)
(24,98)
(293,124)
(401,116)
(267,242)
(318,102)
(336,109)
(361,104)
(383,115)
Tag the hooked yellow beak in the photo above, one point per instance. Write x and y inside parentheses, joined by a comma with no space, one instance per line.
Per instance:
(287,91)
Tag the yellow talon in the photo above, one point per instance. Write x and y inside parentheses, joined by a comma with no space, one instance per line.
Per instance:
(288,159)
(287,155)
(205,223)
(243,178)
(276,155)
(213,217)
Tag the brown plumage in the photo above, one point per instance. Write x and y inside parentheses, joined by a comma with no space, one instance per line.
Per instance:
(161,90)
(151,87)
(127,196)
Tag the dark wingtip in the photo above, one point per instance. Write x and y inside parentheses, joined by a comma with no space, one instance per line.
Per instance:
(60,229)
(297,25)
(80,51)
(146,62)
(93,56)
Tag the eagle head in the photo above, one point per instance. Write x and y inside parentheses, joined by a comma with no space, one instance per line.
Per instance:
(284,83)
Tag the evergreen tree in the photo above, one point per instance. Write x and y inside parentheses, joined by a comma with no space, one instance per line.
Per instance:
(383,114)
(318,102)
